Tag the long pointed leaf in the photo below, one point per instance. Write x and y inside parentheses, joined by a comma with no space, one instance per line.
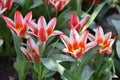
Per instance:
(93,16)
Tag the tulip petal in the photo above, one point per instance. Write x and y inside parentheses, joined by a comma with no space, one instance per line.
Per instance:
(83,39)
(31,44)
(27,53)
(8,3)
(33,27)
(59,5)
(108,35)
(12,28)
(78,53)
(99,33)
(84,21)
(56,32)
(28,17)
(91,45)
(74,19)
(74,37)
(91,37)
(8,21)
(42,34)
(51,26)
(66,41)
(24,30)
(36,56)
(18,18)
(65,50)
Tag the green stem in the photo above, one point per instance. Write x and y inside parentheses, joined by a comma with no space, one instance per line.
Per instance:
(40,71)
(75,70)
(56,13)
(42,48)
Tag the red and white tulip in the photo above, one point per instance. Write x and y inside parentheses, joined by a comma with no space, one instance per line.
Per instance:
(19,26)
(58,4)
(42,30)
(103,40)
(33,50)
(77,44)
(74,22)
(5,5)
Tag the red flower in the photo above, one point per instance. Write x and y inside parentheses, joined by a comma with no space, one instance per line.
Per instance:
(19,26)
(76,45)
(4,5)
(33,52)
(43,31)
(74,22)
(58,4)
(103,40)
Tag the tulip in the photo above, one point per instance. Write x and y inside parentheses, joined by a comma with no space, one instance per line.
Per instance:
(43,31)
(19,26)
(33,50)
(5,5)
(77,44)
(58,4)
(74,22)
(103,40)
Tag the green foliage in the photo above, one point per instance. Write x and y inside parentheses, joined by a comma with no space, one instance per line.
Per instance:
(52,65)
(90,66)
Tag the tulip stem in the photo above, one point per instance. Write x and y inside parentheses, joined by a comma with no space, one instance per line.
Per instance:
(56,13)
(42,48)
(75,69)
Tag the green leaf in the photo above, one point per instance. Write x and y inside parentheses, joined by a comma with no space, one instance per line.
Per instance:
(21,2)
(86,58)
(59,45)
(93,16)
(62,57)
(117,64)
(21,68)
(50,73)
(116,23)
(5,34)
(118,48)
(52,65)
(36,3)
(16,39)
(68,75)
(87,73)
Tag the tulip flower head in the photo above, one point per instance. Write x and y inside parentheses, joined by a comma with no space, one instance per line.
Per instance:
(77,44)
(5,5)
(103,40)
(58,4)
(43,31)
(33,50)
(19,26)
(74,22)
